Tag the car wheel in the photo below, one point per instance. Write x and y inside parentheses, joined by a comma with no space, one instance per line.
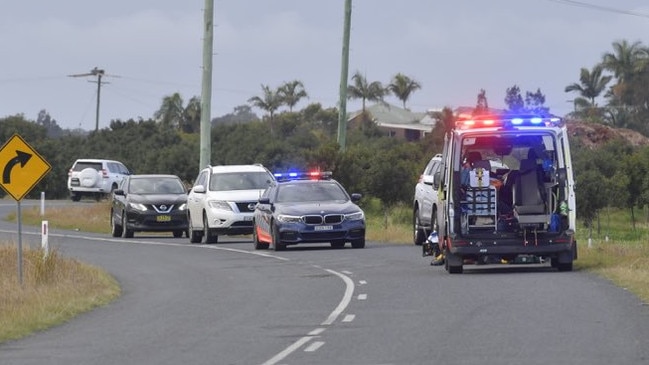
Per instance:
(337,244)
(178,234)
(255,239)
(278,245)
(126,233)
(115,229)
(419,236)
(75,197)
(194,236)
(209,237)
(359,243)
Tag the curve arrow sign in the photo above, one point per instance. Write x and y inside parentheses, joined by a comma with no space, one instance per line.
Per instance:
(21,158)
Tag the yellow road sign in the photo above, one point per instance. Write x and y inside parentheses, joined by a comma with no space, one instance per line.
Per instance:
(21,167)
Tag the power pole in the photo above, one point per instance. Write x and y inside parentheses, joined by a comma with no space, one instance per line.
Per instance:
(206,92)
(99,74)
(342,112)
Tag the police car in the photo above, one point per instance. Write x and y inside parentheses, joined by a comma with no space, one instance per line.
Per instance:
(308,208)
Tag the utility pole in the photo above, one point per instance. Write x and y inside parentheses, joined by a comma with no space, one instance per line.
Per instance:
(99,74)
(206,92)
(344,71)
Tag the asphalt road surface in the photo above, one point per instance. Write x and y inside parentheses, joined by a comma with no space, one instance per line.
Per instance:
(226,303)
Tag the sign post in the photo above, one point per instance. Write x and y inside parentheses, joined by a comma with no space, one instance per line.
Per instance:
(22,168)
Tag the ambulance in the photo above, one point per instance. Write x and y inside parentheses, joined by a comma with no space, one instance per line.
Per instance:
(506,193)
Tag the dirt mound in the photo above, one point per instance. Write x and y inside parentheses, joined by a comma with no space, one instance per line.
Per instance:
(595,135)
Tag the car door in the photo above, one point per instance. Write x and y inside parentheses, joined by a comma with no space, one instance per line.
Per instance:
(196,199)
(119,201)
(428,192)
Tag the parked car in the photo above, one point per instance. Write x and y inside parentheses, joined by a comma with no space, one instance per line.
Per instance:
(223,199)
(95,178)
(425,202)
(151,203)
(309,208)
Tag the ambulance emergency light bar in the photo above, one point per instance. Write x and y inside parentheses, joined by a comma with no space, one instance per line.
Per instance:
(507,121)
(303,175)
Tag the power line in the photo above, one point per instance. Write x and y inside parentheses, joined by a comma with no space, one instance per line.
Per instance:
(581,4)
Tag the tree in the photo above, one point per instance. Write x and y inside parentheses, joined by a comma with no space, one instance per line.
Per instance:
(270,101)
(291,93)
(591,85)
(363,90)
(482,106)
(625,60)
(514,100)
(192,116)
(535,102)
(171,112)
(402,86)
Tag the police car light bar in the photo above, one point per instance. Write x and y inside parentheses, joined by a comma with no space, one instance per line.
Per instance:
(303,175)
(507,121)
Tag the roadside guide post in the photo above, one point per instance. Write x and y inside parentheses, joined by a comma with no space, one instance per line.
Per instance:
(22,168)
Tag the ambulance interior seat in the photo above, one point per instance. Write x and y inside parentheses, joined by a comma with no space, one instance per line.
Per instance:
(529,206)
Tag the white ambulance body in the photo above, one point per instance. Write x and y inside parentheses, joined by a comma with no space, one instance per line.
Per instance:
(506,192)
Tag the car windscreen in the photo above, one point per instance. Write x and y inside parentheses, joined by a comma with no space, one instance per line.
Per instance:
(310,192)
(227,181)
(156,185)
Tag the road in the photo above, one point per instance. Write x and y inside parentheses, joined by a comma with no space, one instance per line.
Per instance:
(226,303)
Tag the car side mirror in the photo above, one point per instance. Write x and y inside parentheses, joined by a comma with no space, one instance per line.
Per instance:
(200,189)
(356,197)
(264,201)
(119,192)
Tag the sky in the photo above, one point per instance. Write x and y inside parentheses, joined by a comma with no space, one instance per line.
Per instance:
(150,49)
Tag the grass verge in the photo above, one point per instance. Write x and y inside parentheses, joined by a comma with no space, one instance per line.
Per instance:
(54,289)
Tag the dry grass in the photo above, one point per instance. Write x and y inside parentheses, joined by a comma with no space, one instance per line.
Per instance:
(92,217)
(54,289)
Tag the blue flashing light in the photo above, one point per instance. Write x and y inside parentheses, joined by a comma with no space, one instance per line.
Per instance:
(303,175)
(507,121)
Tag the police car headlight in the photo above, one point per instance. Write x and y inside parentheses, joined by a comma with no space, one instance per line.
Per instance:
(289,218)
(354,216)
(220,204)
(138,206)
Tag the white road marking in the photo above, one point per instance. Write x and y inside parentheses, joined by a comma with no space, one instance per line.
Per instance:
(362,296)
(349,285)
(362,282)
(314,346)
(349,318)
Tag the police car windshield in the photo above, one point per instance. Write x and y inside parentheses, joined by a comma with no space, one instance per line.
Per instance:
(310,192)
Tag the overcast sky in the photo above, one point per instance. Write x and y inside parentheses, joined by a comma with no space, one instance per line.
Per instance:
(153,48)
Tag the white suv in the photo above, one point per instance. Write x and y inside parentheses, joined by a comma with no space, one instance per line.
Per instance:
(95,177)
(425,202)
(223,199)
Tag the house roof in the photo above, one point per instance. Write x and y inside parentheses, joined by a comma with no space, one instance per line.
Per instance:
(391,116)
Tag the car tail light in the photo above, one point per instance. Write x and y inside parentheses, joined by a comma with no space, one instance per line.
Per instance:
(421,178)
(104,173)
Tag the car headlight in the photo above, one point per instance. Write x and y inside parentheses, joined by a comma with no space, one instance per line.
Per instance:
(182,206)
(138,206)
(219,204)
(354,216)
(289,218)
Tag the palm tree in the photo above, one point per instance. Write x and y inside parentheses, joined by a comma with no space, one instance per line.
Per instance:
(402,86)
(362,90)
(270,101)
(192,115)
(591,85)
(292,92)
(627,59)
(171,111)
